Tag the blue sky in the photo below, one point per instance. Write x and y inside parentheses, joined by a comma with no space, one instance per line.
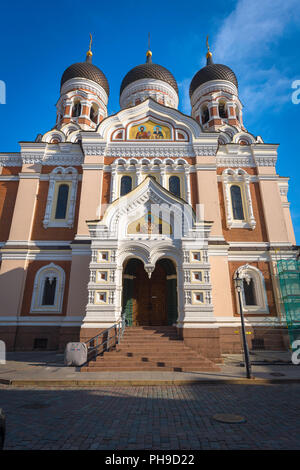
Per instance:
(258,39)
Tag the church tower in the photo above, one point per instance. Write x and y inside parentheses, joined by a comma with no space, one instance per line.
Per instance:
(84,93)
(214,96)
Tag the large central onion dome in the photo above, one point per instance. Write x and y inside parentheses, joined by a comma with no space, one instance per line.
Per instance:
(85,70)
(212,72)
(149,80)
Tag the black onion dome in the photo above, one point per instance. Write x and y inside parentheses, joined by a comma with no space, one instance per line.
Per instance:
(85,70)
(149,70)
(212,72)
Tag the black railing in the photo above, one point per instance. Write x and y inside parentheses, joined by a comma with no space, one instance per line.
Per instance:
(105,340)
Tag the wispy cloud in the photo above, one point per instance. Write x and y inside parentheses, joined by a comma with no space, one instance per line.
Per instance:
(247,37)
(247,40)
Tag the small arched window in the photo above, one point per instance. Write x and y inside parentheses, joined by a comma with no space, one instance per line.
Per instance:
(49,291)
(204,115)
(254,294)
(126,185)
(237,202)
(249,291)
(94,113)
(223,110)
(76,110)
(62,201)
(174,185)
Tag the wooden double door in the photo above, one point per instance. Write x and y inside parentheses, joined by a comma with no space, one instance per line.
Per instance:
(148,298)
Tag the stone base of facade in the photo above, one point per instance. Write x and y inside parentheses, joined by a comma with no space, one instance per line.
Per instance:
(30,338)
(205,341)
(258,338)
(210,342)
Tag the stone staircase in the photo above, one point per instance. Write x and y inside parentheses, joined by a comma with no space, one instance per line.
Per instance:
(151,349)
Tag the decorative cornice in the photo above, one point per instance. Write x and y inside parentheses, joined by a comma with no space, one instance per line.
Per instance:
(235,161)
(149,150)
(265,161)
(10,159)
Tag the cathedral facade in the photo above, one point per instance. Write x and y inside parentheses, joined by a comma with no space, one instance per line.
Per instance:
(148,213)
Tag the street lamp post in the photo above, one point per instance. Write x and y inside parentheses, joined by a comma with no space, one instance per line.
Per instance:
(238,282)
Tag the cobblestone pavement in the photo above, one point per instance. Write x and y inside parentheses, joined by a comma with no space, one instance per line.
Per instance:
(162,417)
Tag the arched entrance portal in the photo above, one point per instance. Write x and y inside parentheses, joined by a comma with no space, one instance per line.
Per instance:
(150,301)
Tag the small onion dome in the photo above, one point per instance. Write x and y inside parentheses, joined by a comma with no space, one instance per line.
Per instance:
(86,70)
(212,72)
(149,70)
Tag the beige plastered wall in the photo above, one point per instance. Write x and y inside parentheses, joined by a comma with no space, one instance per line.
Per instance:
(91,192)
(221,286)
(273,211)
(208,194)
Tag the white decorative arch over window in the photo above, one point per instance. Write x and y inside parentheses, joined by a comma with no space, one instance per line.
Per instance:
(254,279)
(53,275)
(240,178)
(61,176)
(161,169)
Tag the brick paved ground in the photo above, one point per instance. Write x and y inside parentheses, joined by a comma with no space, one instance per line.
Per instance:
(166,417)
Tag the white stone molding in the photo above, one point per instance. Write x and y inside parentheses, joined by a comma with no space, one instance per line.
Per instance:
(187,183)
(85,84)
(149,88)
(152,149)
(54,134)
(154,111)
(248,272)
(213,86)
(10,159)
(243,136)
(242,179)
(50,271)
(61,174)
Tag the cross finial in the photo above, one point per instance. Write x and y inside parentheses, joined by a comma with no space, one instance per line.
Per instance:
(149,53)
(89,52)
(209,60)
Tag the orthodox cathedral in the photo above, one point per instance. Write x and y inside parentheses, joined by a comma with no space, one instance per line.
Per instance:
(147,214)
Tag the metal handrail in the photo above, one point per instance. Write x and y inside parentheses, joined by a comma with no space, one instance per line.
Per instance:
(95,346)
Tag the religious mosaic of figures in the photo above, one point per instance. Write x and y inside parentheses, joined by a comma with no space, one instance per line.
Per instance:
(149,130)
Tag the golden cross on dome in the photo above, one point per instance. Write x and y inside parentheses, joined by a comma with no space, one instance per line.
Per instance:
(207,45)
(89,52)
(149,53)
(209,54)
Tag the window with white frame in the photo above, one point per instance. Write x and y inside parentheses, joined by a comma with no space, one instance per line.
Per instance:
(254,297)
(61,200)
(237,197)
(48,289)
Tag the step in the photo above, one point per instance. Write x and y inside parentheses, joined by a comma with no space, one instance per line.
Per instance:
(118,356)
(161,363)
(151,368)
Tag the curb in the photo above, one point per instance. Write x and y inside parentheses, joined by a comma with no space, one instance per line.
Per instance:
(130,383)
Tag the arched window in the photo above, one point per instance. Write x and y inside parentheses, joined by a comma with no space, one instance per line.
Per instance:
(204,114)
(94,113)
(76,110)
(254,296)
(237,202)
(126,185)
(249,292)
(62,201)
(174,185)
(48,289)
(222,110)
